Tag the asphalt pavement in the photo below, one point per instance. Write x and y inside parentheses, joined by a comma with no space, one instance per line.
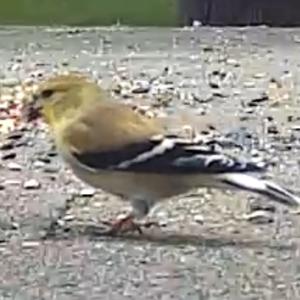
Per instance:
(244,82)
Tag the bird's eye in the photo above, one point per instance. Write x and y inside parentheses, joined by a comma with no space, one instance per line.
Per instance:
(47,93)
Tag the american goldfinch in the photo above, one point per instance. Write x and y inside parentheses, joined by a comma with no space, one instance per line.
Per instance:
(111,147)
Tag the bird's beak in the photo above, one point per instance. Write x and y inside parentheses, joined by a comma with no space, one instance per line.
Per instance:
(32,109)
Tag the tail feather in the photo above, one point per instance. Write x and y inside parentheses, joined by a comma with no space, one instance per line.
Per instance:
(260,186)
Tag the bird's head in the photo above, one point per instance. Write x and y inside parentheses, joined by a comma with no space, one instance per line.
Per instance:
(59,96)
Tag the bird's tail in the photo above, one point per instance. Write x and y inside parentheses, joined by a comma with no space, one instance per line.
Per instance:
(260,186)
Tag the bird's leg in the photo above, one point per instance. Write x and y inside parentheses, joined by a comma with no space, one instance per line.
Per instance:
(141,209)
(125,224)
(128,223)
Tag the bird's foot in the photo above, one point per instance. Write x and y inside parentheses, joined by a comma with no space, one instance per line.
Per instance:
(127,224)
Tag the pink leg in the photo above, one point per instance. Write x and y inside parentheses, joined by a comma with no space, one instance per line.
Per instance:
(127,224)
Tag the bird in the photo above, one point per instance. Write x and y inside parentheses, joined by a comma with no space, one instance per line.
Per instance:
(110,146)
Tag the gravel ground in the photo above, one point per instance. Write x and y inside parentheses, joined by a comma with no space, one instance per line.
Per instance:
(212,245)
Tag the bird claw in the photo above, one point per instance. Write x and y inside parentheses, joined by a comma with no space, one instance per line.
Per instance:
(128,224)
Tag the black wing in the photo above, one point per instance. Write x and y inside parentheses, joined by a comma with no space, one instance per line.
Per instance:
(167,155)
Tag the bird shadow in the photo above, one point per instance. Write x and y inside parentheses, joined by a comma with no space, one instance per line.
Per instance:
(160,237)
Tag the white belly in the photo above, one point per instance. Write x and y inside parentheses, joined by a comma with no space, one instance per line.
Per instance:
(133,185)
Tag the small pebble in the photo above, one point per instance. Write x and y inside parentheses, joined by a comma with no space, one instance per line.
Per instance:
(257,101)
(141,87)
(68,217)
(163,223)
(30,244)
(237,92)
(52,154)
(31,184)
(233,62)
(44,159)
(87,192)
(51,169)
(61,223)
(196,23)
(249,84)
(14,68)
(15,135)
(214,85)
(6,222)
(14,166)
(272,129)
(199,219)
(7,146)
(9,82)
(296,39)
(281,286)
(38,164)
(72,192)
(260,205)
(259,75)
(259,217)
(5,99)
(10,155)
(295,127)
(13,182)
(19,96)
